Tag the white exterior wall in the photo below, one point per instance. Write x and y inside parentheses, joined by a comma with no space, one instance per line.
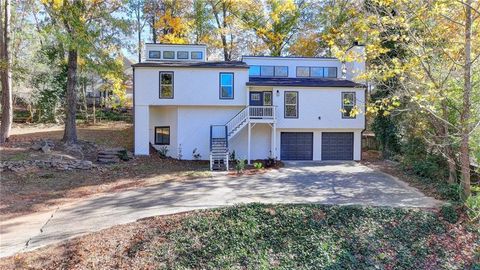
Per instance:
(319,108)
(293,62)
(194,127)
(164,116)
(192,86)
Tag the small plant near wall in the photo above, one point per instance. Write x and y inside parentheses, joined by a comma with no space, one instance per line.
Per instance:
(258,165)
(196,155)
(162,151)
(270,162)
(240,165)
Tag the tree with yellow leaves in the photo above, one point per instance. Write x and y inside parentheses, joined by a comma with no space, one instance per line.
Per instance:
(275,23)
(424,54)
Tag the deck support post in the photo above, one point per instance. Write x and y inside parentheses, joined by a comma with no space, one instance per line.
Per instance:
(274,140)
(249,142)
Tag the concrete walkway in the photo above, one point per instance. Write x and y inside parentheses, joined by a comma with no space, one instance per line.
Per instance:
(303,182)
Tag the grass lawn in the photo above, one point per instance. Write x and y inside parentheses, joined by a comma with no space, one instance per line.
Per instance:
(257,236)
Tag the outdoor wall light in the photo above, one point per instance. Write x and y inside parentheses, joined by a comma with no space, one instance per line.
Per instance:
(278,93)
(319,118)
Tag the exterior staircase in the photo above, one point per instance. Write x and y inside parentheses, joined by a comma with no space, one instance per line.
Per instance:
(221,134)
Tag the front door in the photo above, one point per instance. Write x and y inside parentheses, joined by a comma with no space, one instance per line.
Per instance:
(256,98)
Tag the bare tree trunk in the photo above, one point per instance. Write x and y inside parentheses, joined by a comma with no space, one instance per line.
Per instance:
(139,30)
(70,134)
(465,114)
(449,153)
(6,76)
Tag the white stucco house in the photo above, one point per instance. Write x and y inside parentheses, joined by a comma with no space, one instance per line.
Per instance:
(288,108)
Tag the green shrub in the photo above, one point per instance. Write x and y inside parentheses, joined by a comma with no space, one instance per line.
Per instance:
(240,165)
(473,207)
(449,213)
(258,165)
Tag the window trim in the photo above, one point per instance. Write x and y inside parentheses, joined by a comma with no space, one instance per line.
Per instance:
(155,51)
(160,84)
(155,135)
(200,52)
(178,54)
(354,104)
(285,105)
(220,85)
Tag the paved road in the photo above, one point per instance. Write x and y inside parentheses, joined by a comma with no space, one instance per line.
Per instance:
(303,182)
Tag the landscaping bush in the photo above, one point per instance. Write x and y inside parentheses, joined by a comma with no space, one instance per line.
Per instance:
(258,165)
(473,207)
(423,162)
(240,165)
(113,115)
(449,213)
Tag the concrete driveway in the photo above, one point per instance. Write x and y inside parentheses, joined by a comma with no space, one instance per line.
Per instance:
(302,182)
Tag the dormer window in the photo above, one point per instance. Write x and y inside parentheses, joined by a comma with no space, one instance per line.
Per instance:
(182,55)
(266,71)
(168,55)
(281,71)
(196,55)
(330,72)
(317,72)
(254,71)
(154,54)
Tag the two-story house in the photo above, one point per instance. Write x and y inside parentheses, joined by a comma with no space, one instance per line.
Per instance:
(288,108)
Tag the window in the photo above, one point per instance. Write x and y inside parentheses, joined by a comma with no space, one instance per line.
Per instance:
(182,55)
(255,96)
(166,84)
(303,72)
(154,54)
(319,72)
(226,85)
(316,71)
(196,55)
(254,71)
(291,104)
(267,98)
(266,71)
(168,55)
(330,72)
(281,71)
(162,135)
(348,103)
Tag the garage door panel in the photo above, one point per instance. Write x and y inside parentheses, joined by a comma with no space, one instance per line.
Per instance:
(337,145)
(296,146)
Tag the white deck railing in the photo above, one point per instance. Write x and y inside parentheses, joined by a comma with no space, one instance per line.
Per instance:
(261,112)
